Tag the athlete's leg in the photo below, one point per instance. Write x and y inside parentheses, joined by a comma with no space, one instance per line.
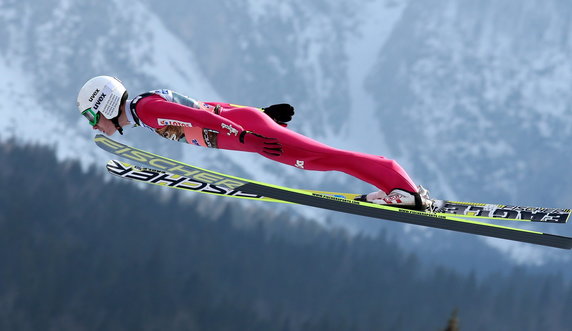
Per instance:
(303,152)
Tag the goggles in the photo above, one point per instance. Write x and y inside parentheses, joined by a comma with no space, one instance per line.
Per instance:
(92,117)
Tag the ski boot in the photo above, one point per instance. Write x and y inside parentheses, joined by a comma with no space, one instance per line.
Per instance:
(401,198)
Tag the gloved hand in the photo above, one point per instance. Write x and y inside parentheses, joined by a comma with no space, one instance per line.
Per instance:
(280,113)
(260,144)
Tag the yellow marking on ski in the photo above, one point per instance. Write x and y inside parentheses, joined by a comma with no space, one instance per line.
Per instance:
(477,204)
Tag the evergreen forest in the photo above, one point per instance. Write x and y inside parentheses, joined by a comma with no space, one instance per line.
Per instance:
(82,251)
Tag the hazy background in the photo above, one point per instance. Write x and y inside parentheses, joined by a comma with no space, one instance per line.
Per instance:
(472,98)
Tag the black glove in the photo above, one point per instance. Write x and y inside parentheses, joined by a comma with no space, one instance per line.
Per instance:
(260,144)
(280,113)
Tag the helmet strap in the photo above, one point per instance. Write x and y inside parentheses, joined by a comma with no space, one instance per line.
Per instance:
(115,121)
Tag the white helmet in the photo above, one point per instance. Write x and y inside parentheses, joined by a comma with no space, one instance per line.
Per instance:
(101,94)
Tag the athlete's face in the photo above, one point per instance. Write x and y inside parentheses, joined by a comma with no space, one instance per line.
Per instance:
(105,125)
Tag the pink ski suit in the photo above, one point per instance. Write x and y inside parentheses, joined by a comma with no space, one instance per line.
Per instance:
(219,125)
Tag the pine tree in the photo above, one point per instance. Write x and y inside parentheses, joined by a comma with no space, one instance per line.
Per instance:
(453,324)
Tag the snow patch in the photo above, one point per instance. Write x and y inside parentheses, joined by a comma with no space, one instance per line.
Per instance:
(27,119)
(378,20)
(165,57)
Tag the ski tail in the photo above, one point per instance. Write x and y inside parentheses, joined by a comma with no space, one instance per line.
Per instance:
(412,217)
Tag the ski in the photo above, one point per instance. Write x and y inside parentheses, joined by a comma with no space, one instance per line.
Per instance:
(189,177)
(442,207)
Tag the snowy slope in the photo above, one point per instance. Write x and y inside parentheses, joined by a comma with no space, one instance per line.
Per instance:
(487,92)
(478,94)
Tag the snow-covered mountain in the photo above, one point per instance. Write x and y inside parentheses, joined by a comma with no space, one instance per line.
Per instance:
(472,98)
(484,90)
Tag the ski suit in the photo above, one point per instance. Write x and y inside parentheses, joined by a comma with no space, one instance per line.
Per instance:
(219,125)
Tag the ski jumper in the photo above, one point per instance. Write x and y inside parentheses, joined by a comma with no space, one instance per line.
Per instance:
(219,125)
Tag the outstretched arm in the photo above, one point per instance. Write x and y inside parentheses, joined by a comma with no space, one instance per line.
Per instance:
(158,112)
(281,113)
